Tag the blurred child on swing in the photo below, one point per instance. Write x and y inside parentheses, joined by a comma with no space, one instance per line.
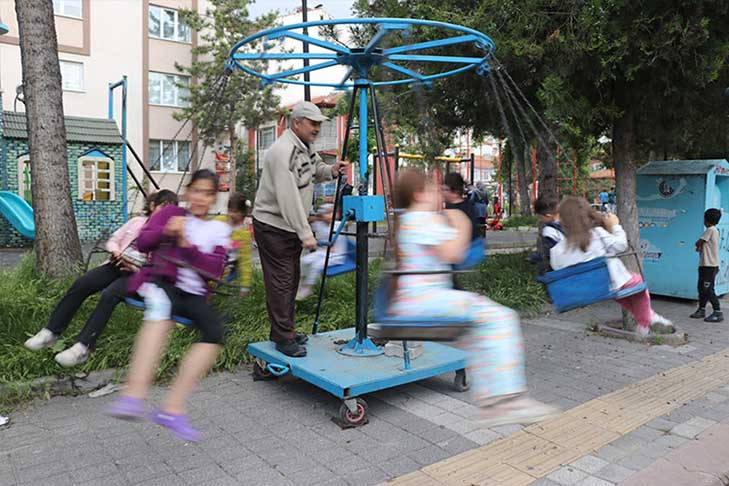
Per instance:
(429,240)
(313,263)
(589,235)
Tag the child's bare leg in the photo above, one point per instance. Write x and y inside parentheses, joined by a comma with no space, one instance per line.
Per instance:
(148,348)
(194,366)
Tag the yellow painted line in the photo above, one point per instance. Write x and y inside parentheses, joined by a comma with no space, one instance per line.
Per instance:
(537,450)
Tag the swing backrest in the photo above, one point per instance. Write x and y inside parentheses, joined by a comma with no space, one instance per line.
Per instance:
(578,285)
(475,255)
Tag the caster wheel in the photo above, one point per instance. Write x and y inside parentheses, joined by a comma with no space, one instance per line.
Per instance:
(354,419)
(261,372)
(461,383)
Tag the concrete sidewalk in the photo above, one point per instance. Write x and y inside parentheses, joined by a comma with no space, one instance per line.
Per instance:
(280,433)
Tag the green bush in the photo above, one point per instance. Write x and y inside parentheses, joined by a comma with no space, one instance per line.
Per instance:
(516,221)
(27,299)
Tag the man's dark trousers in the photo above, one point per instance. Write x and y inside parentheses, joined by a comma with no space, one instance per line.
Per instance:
(280,252)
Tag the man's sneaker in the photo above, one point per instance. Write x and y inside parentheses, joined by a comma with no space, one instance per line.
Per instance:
(699,314)
(178,424)
(716,316)
(43,339)
(127,408)
(75,355)
(291,348)
(301,338)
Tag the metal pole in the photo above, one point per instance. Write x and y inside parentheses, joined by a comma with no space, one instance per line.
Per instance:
(362,241)
(473,167)
(112,87)
(305,18)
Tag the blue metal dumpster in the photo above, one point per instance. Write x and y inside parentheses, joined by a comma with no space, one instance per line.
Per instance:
(672,197)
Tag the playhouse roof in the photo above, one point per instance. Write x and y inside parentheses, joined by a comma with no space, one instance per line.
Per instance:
(78,129)
(668,167)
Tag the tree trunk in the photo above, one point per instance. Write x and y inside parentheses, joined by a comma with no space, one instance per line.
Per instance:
(58,250)
(547,168)
(625,187)
(525,207)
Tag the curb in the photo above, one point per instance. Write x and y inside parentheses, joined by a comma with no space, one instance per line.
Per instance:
(76,384)
(675,339)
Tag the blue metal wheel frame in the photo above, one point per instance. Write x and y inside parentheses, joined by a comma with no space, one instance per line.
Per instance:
(360,60)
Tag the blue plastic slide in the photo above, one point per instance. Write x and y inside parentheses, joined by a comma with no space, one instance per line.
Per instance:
(18,212)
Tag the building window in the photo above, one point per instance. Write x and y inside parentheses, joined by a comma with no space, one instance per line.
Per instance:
(327,138)
(266,137)
(95,179)
(72,75)
(168,89)
(169,155)
(68,8)
(168,24)
(24,179)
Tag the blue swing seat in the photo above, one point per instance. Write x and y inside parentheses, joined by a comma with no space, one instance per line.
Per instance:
(349,264)
(139,305)
(418,328)
(583,284)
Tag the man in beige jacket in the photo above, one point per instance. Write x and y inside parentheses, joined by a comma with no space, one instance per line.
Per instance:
(280,219)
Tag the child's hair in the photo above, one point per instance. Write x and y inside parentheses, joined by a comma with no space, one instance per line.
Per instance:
(577,220)
(237,202)
(148,201)
(546,205)
(165,197)
(712,216)
(409,182)
(454,182)
(204,174)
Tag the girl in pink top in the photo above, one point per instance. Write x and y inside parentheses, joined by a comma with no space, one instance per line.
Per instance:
(111,278)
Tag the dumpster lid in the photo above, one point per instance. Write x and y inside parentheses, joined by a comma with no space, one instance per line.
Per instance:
(667,167)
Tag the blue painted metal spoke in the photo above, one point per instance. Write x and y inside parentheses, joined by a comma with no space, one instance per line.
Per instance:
(361,60)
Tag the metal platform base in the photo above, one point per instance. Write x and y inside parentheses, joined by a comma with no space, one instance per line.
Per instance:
(349,377)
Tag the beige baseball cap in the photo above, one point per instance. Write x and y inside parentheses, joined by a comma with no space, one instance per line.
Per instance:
(307,109)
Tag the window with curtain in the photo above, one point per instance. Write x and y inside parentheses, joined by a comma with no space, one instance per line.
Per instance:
(169,155)
(168,89)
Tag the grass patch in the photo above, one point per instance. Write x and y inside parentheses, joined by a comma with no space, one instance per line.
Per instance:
(517,220)
(27,299)
(507,279)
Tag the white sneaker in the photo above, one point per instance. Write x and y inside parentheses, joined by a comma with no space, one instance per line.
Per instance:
(43,339)
(75,355)
(644,330)
(303,293)
(660,324)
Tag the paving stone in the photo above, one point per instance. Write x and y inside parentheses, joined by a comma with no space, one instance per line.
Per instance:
(428,455)
(371,475)
(614,473)
(399,466)
(692,428)
(269,477)
(590,464)
(671,441)
(64,479)
(661,424)
(34,473)
(593,481)
(610,453)
(202,474)
(168,480)
(567,475)
(94,472)
(636,461)
(544,482)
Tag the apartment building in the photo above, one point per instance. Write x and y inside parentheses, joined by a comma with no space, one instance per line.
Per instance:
(99,42)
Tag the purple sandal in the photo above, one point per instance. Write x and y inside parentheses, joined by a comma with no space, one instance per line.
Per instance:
(178,424)
(127,408)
